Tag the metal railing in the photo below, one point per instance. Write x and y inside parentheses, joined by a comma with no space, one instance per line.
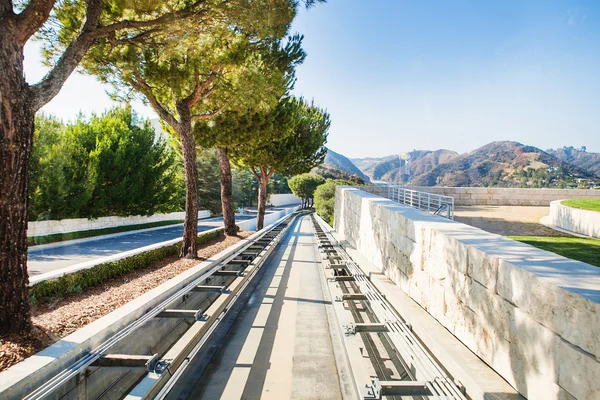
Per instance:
(432,203)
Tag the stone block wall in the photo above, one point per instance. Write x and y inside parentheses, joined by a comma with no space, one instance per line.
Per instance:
(469,196)
(284,199)
(583,222)
(41,228)
(531,315)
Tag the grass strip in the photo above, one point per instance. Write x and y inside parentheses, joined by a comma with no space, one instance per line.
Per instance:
(584,204)
(79,281)
(580,249)
(61,237)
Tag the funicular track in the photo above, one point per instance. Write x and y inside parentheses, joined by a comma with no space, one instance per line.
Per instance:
(401,367)
(139,361)
(164,353)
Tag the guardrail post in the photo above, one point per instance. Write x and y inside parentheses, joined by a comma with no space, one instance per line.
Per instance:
(428,202)
(435,203)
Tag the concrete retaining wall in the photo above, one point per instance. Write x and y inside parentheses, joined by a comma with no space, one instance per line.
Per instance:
(277,200)
(469,196)
(41,228)
(271,217)
(533,316)
(583,222)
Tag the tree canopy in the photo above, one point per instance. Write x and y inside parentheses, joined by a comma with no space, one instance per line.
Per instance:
(109,164)
(304,186)
(70,29)
(294,134)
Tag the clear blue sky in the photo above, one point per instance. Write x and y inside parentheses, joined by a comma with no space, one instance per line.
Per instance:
(399,75)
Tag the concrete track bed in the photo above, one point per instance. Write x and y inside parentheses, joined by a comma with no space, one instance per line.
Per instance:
(55,319)
(139,328)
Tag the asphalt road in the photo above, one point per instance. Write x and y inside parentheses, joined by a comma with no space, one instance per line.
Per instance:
(46,260)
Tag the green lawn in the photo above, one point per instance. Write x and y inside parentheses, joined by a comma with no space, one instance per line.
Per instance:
(585,204)
(581,249)
(61,237)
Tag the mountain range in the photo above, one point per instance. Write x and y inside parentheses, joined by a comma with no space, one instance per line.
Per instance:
(337,162)
(500,164)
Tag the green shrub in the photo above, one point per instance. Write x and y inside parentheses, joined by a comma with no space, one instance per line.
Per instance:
(325,199)
(111,164)
(81,280)
(304,186)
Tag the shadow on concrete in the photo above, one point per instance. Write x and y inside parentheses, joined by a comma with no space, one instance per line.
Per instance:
(503,227)
(220,370)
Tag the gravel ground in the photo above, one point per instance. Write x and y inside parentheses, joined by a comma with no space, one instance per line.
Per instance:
(55,320)
(506,220)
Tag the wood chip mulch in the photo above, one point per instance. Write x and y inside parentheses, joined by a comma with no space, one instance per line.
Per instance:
(54,320)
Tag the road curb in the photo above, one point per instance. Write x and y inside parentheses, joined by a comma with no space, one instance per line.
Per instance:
(63,243)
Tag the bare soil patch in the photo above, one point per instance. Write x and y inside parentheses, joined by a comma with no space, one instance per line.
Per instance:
(54,320)
(506,220)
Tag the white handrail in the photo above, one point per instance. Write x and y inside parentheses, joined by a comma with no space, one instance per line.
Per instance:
(425,201)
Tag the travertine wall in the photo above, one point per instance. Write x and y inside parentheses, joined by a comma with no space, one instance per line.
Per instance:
(531,315)
(469,196)
(283,199)
(584,222)
(40,228)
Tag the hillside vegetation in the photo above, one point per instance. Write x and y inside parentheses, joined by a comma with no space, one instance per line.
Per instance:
(505,164)
(335,161)
(578,157)
(369,162)
(499,164)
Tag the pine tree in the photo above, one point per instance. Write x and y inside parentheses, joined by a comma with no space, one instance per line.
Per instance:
(297,132)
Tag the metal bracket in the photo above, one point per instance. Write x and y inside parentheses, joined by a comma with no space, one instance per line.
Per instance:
(161,366)
(353,328)
(349,329)
(377,389)
(151,364)
(202,317)
(372,391)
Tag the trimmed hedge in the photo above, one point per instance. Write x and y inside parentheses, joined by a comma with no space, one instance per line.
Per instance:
(79,281)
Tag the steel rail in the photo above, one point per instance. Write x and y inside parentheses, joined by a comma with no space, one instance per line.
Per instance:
(370,346)
(71,371)
(408,344)
(161,388)
(426,368)
(400,334)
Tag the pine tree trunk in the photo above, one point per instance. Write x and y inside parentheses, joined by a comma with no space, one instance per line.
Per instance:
(188,150)
(17,114)
(262,199)
(226,192)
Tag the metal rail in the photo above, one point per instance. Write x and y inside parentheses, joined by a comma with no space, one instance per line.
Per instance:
(432,203)
(236,270)
(425,376)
